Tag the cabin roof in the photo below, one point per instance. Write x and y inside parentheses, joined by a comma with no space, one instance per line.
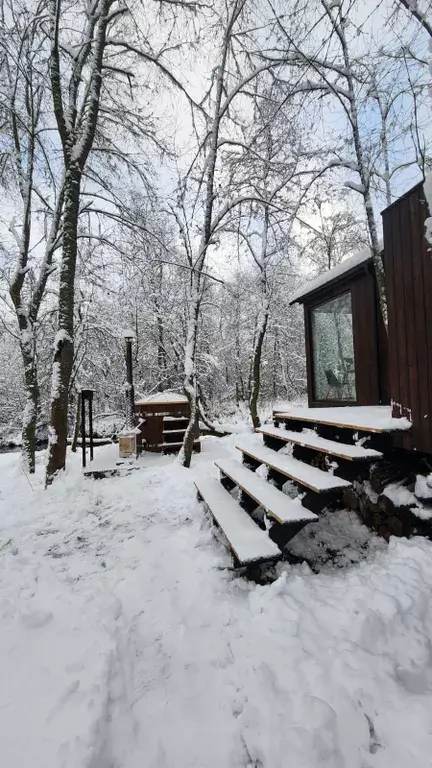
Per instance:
(161,398)
(418,186)
(341,270)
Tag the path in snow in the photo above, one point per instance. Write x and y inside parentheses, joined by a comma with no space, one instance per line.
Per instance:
(126,643)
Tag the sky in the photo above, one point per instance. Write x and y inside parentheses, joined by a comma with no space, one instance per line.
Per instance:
(194,69)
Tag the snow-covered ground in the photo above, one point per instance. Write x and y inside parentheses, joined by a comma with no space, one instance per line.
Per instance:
(127,642)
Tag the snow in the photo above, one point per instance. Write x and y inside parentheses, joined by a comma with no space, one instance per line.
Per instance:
(362,257)
(128,431)
(369,418)
(400,495)
(403,497)
(160,398)
(360,188)
(128,333)
(427,188)
(60,338)
(175,418)
(126,641)
(52,435)
(309,476)
(231,428)
(55,381)
(423,487)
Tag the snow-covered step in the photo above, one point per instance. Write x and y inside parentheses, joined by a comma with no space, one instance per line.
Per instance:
(310,477)
(176,418)
(175,444)
(249,543)
(174,431)
(310,439)
(276,504)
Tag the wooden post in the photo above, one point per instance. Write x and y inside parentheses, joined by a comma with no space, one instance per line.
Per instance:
(86,394)
(130,406)
(90,401)
(83,428)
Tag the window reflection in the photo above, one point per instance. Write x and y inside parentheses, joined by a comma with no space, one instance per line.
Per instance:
(333,350)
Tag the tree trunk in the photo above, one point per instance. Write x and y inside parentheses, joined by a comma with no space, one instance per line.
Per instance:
(274,376)
(262,320)
(256,370)
(190,383)
(64,347)
(31,409)
(364,175)
(31,381)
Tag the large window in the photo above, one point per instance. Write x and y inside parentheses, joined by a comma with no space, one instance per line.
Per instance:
(333,350)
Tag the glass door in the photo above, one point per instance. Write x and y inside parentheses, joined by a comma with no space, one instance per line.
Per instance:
(333,350)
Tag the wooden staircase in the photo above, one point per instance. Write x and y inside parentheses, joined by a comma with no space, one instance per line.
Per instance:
(174,428)
(321,469)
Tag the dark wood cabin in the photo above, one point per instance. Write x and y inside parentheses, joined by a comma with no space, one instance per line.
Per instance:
(350,357)
(162,421)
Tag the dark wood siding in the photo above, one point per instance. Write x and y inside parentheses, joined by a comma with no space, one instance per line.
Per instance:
(366,334)
(365,339)
(408,267)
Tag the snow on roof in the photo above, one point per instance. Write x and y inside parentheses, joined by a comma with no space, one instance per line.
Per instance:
(361,257)
(161,398)
(128,333)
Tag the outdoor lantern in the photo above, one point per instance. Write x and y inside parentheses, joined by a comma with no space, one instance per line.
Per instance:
(128,436)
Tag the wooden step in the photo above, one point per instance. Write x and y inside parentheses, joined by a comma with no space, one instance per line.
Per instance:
(310,477)
(174,431)
(368,418)
(176,444)
(276,503)
(310,439)
(176,418)
(249,543)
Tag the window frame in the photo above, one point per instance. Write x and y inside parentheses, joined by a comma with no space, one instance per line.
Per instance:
(331,296)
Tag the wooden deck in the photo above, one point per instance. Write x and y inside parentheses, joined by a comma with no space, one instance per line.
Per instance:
(368,418)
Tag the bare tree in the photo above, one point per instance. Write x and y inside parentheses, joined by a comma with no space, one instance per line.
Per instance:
(210,221)
(88,71)
(239,65)
(339,80)
(333,234)
(25,165)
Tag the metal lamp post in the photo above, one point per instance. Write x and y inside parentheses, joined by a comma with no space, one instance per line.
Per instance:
(127,440)
(86,397)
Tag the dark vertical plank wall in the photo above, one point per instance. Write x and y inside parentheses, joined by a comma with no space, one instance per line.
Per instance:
(408,266)
(363,297)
